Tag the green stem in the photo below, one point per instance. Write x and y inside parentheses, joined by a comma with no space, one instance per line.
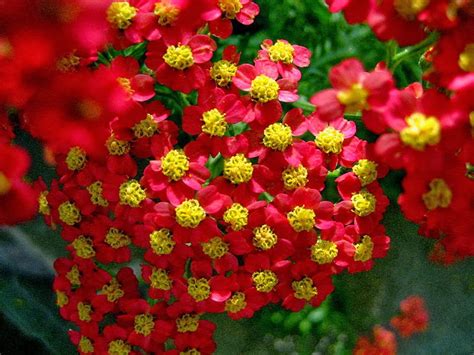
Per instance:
(304,104)
(413,50)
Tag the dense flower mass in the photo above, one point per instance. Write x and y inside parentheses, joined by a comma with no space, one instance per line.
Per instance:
(193,162)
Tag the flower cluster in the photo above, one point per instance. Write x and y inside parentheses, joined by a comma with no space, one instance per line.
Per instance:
(413,319)
(426,132)
(184,187)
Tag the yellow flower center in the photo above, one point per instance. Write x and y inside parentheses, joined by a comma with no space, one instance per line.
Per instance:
(237,216)
(330,140)
(366,171)
(214,123)
(215,248)
(324,252)
(161,242)
(175,164)
(113,291)
(61,299)
(294,177)
(76,159)
(95,191)
(421,131)
(69,213)
(363,203)
(264,89)
(85,345)
(166,12)
(281,52)
(179,57)
(364,249)
(144,324)
(408,9)
(131,193)
(5,184)
(222,72)
(199,289)
(304,289)
(120,14)
(89,110)
(119,347)
(68,63)
(192,351)
(145,128)
(440,195)
(301,219)
(160,280)
(187,323)
(238,169)
(190,213)
(116,146)
(265,280)
(355,98)
(74,276)
(126,84)
(83,247)
(230,8)
(43,205)
(84,311)
(236,303)
(277,136)
(264,237)
(466,58)
(116,239)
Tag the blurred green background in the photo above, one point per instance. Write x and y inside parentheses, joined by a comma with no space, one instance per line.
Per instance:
(30,323)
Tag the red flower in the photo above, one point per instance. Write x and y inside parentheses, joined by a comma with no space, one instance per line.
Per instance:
(306,285)
(189,220)
(285,57)
(140,87)
(453,61)
(413,318)
(177,175)
(369,244)
(220,24)
(397,19)
(180,64)
(439,194)
(212,118)
(114,338)
(336,139)
(18,200)
(148,324)
(363,205)
(384,343)
(420,125)
(354,90)
(265,91)
(355,11)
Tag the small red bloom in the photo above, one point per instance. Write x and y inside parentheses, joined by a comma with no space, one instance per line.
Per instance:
(384,343)
(18,200)
(285,57)
(413,318)
(354,90)
(220,24)
(180,64)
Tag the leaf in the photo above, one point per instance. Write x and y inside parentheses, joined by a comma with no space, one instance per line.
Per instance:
(29,306)
(215,165)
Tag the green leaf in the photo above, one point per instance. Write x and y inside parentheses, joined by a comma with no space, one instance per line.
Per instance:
(215,165)
(29,306)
